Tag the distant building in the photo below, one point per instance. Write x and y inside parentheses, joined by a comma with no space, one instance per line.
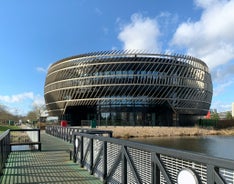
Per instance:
(212,111)
(128,89)
(223,115)
(44,117)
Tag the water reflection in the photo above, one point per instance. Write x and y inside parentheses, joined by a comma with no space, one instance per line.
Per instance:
(20,148)
(218,146)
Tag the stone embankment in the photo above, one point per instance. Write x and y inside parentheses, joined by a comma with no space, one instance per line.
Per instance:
(130,132)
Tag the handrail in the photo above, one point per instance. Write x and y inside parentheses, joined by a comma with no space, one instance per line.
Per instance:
(5,145)
(122,161)
(34,141)
(4,149)
(66,133)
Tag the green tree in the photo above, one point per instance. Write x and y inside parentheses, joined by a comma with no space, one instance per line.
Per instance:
(229,115)
(214,116)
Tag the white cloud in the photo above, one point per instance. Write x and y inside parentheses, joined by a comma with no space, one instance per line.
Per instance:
(98,11)
(21,104)
(211,38)
(105,30)
(42,69)
(205,3)
(141,33)
(38,101)
(223,73)
(221,106)
(16,98)
(221,87)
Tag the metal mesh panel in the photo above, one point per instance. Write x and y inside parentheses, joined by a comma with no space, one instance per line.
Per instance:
(97,147)
(228,175)
(130,178)
(78,138)
(178,164)
(142,162)
(162,179)
(112,153)
(87,153)
(116,179)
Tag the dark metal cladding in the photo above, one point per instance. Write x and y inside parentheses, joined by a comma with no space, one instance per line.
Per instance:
(129,88)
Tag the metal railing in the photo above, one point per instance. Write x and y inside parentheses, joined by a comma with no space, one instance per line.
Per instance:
(120,161)
(4,149)
(29,139)
(66,133)
(8,140)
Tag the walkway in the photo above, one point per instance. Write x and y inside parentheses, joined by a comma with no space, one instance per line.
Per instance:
(51,165)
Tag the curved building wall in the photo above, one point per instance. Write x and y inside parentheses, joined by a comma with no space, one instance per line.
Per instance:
(128,88)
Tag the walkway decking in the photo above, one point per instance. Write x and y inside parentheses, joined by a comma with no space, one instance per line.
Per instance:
(51,165)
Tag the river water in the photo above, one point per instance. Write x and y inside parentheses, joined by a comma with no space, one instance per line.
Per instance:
(218,146)
(20,148)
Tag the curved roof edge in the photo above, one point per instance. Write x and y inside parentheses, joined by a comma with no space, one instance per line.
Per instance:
(128,52)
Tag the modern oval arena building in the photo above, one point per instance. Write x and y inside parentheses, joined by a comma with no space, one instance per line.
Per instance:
(129,88)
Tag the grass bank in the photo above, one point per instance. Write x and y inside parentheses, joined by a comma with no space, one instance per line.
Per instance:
(131,132)
(6,127)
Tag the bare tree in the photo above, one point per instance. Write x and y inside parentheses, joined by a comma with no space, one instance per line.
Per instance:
(36,113)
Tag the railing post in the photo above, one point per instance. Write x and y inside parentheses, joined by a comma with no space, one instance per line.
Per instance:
(104,160)
(2,156)
(124,168)
(71,133)
(91,156)
(210,174)
(4,149)
(39,139)
(67,131)
(8,144)
(75,149)
(155,175)
(53,130)
(81,151)
(213,175)
(64,133)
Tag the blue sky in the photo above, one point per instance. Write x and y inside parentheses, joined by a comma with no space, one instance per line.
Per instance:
(35,34)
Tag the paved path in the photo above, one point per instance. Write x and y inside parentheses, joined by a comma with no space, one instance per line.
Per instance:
(52,165)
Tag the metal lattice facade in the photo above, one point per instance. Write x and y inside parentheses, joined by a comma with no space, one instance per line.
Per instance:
(129,88)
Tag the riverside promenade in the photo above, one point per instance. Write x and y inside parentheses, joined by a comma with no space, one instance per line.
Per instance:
(51,165)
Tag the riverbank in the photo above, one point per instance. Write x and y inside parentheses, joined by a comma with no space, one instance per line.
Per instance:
(131,132)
